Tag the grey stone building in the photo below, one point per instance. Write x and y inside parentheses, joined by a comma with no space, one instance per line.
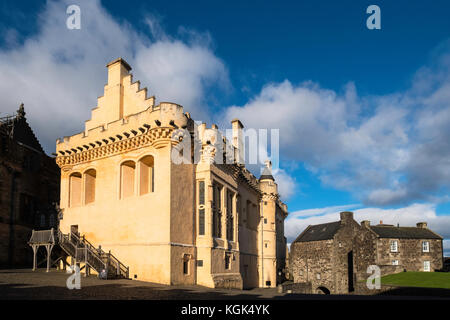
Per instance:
(333,257)
(328,256)
(411,248)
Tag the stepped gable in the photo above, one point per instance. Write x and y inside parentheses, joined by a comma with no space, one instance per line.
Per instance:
(124,118)
(18,129)
(121,98)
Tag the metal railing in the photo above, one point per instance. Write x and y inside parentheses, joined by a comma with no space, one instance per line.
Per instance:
(82,251)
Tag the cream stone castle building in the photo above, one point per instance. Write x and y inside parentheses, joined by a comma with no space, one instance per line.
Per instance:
(203,223)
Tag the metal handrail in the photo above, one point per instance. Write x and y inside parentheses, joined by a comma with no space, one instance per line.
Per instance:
(94,257)
(82,250)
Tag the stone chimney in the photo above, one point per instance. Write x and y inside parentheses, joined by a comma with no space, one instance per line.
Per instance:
(117,70)
(346,216)
(365,223)
(238,140)
(422,225)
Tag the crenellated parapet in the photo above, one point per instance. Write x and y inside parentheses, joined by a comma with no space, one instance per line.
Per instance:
(157,137)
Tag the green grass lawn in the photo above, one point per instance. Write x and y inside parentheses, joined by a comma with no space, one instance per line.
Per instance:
(418,279)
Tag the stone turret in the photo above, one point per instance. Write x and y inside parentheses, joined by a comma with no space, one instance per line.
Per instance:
(267,181)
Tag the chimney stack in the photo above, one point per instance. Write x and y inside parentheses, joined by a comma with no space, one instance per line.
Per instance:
(365,223)
(117,69)
(346,216)
(238,140)
(422,225)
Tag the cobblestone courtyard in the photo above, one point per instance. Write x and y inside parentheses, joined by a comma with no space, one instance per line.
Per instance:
(24,284)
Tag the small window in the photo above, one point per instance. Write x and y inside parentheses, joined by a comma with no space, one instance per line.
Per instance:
(394,246)
(425,246)
(199,263)
(227,261)
(426,266)
(51,221)
(42,222)
(395,262)
(265,221)
(201,211)
(201,222)
(201,192)
(186,264)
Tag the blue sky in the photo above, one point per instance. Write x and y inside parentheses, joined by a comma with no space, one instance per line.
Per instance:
(363,114)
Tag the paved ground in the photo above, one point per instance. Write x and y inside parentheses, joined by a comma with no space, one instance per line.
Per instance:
(26,284)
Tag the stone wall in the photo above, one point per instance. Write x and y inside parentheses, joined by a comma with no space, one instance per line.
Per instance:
(409,254)
(312,262)
(29,185)
(292,287)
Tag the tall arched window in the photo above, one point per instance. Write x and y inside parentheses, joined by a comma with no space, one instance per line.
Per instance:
(147,173)
(127,170)
(75,189)
(52,221)
(42,220)
(89,186)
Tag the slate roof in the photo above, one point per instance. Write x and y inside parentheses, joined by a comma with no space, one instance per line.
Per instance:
(17,128)
(266,174)
(319,232)
(404,232)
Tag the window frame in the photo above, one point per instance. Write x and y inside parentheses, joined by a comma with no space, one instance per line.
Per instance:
(394,246)
(428,263)
(427,246)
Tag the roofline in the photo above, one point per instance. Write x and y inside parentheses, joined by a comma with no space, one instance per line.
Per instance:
(299,236)
(381,237)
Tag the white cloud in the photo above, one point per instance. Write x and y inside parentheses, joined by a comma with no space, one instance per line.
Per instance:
(391,149)
(447,248)
(406,216)
(58,73)
(287,185)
